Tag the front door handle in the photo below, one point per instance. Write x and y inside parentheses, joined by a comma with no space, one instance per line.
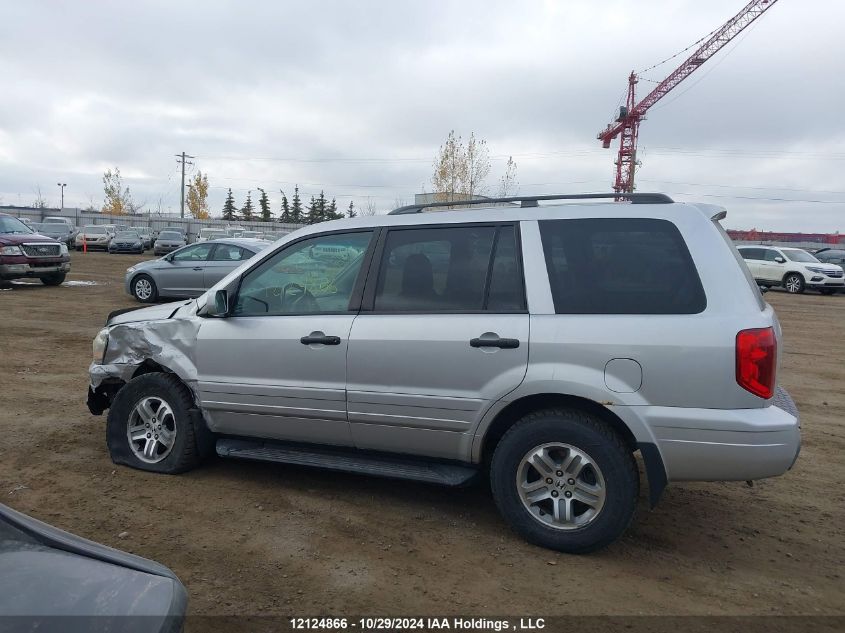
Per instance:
(318,338)
(198,268)
(501,343)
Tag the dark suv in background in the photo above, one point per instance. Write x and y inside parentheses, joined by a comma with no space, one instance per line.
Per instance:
(25,253)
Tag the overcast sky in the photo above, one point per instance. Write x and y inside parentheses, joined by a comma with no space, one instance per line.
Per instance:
(355,97)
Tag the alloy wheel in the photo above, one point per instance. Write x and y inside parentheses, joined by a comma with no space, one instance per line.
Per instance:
(561,486)
(151,429)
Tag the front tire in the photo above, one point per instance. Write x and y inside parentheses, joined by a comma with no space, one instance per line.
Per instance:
(794,283)
(149,425)
(55,279)
(563,479)
(144,289)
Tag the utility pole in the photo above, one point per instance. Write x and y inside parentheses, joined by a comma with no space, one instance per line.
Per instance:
(62,185)
(181,158)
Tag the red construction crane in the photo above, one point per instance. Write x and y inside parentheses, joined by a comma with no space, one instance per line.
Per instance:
(627,125)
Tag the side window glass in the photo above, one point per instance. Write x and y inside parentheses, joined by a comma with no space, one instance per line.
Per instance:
(620,266)
(228,253)
(434,269)
(506,293)
(771,254)
(314,276)
(193,253)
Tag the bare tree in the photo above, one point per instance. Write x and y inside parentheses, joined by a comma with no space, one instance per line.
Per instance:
(398,202)
(39,202)
(369,207)
(509,185)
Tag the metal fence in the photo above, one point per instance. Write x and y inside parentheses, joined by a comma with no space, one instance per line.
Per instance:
(156,222)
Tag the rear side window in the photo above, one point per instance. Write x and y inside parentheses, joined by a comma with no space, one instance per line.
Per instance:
(450,269)
(620,266)
(752,253)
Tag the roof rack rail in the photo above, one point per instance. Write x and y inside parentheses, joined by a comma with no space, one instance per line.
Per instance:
(531,201)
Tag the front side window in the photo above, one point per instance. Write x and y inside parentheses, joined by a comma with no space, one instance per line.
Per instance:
(313,276)
(196,253)
(450,269)
(771,255)
(620,266)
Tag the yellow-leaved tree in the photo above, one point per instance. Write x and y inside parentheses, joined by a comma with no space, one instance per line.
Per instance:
(460,171)
(197,199)
(118,200)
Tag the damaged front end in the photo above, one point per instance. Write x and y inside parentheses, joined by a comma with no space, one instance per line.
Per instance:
(158,338)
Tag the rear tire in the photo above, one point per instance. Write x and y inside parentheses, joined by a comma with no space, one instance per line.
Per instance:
(594,480)
(55,279)
(144,289)
(794,283)
(155,409)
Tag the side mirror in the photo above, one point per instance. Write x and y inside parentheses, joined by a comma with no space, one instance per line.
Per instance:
(780,260)
(220,305)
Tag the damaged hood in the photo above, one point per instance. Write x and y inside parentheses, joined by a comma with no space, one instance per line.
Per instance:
(151,313)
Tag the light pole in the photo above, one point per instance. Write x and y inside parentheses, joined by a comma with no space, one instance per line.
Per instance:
(62,185)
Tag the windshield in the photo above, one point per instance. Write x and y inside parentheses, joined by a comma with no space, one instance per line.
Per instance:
(797,255)
(94,230)
(127,235)
(9,224)
(170,235)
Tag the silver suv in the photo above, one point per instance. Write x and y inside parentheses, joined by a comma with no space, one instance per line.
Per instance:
(543,344)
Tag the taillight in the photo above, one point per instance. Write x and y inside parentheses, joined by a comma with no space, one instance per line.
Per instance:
(756,360)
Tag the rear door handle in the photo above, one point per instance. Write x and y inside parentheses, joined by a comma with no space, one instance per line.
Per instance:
(318,338)
(502,343)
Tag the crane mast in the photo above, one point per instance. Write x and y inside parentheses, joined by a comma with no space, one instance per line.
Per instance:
(627,124)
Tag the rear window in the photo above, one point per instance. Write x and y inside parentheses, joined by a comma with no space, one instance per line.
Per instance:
(620,266)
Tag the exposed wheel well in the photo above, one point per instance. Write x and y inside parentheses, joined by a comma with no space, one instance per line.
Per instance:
(518,408)
(148,367)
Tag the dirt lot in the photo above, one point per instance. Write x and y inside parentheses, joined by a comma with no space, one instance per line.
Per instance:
(249,538)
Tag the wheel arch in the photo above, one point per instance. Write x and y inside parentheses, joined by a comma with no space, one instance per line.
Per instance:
(515,410)
(793,272)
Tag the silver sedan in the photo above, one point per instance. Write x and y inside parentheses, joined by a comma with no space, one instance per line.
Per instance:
(190,270)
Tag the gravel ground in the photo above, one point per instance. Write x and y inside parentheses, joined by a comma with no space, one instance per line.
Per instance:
(255,539)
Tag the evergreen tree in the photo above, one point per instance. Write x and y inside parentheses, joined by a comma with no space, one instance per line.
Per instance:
(246,210)
(296,215)
(350,211)
(229,208)
(331,211)
(284,216)
(264,205)
(312,212)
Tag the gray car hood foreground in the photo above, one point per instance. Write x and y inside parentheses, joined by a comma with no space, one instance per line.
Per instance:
(51,580)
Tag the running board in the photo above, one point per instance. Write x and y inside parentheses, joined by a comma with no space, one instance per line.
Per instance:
(350,461)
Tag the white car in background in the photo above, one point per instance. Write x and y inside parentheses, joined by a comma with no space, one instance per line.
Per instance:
(210,234)
(793,268)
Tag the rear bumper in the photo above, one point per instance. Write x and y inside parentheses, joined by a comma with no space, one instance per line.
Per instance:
(727,444)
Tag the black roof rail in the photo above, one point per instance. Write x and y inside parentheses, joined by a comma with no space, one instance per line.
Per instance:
(531,201)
